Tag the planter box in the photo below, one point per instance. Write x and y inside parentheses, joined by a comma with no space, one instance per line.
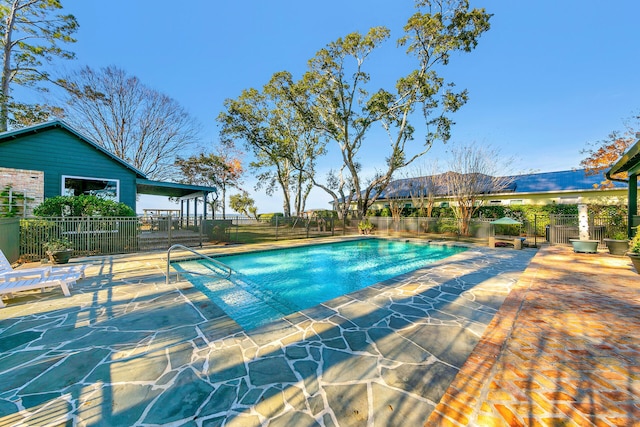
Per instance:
(585,246)
(60,257)
(617,247)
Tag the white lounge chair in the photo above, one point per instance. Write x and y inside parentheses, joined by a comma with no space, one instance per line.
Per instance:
(7,271)
(64,281)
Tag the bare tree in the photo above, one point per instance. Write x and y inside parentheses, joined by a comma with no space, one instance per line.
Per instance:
(424,184)
(474,172)
(141,126)
(30,34)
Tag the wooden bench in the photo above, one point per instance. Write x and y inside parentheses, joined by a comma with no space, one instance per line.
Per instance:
(515,240)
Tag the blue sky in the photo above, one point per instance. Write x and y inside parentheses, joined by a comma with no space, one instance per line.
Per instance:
(550,75)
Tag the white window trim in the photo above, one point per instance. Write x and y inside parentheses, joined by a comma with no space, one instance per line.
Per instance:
(91,178)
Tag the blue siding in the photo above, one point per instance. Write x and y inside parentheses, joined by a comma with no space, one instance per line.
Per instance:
(58,152)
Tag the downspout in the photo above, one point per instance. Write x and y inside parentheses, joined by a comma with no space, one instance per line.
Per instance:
(632,210)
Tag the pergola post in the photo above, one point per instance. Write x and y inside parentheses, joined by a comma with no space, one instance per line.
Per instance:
(188,204)
(204,209)
(633,202)
(181,213)
(195,211)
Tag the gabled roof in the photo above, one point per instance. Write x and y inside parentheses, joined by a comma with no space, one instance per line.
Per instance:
(547,182)
(59,124)
(143,185)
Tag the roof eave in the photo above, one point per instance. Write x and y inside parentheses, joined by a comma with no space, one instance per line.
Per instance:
(627,163)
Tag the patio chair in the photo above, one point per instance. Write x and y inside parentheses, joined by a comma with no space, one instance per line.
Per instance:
(64,281)
(7,271)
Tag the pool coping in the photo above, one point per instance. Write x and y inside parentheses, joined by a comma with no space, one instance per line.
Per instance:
(297,314)
(335,337)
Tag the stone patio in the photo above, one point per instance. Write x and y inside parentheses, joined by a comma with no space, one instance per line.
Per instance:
(126,349)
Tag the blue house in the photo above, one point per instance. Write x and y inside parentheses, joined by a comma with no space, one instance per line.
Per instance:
(52,159)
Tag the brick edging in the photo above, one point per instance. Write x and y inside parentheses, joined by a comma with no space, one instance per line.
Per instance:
(461,401)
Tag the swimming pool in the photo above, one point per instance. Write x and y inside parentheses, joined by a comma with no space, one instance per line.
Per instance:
(268,285)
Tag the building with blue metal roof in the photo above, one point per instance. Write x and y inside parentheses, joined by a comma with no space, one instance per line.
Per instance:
(562,187)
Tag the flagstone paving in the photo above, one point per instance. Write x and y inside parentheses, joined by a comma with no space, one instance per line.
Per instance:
(127,349)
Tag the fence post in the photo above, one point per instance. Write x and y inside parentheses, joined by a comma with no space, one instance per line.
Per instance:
(276,227)
(200,229)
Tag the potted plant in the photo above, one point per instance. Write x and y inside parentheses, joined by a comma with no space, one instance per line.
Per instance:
(618,243)
(634,251)
(365,226)
(59,250)
(586,246)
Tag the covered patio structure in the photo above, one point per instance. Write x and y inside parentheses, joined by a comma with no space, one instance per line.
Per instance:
(185,193)
(629,163)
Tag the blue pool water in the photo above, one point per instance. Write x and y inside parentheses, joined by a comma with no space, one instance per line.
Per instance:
(268,285)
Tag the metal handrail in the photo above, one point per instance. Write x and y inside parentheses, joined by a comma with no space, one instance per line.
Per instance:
(215,261)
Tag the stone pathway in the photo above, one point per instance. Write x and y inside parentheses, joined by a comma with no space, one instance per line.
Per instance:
(127,350)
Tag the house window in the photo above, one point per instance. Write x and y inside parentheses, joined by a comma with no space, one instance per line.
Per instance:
(495,202)
(105,188)
(407,205)
(444,204)
(515,202)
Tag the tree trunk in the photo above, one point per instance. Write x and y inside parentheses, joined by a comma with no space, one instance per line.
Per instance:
(224,212)
(6,70)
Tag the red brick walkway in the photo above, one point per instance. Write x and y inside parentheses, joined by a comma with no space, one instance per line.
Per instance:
(563,350)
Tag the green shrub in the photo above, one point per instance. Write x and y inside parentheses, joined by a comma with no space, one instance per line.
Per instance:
(270,217)
(57,244)
(325,213)
(634,246)
(33,233)
(83,205)
(447,227)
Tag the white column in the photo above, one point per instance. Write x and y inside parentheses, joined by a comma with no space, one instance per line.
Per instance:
(583,222)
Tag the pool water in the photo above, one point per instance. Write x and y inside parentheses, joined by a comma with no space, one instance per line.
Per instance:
(269,285)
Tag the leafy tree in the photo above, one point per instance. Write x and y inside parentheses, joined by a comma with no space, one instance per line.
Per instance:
(283,145)
(141,126)
(602,155)
(243,204)
(343,110)
(31,34)
(474,171)
(221,170)
(83,205)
